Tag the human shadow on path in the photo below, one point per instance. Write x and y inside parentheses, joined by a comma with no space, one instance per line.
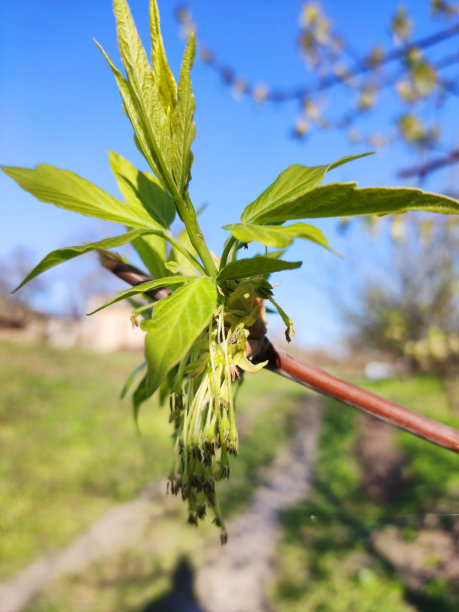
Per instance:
(181,597)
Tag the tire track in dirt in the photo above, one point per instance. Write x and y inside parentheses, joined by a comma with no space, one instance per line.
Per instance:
(112,533)
(238,580)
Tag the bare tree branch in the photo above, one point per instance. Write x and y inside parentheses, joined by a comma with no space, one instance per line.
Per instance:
(424,169)
(363,65)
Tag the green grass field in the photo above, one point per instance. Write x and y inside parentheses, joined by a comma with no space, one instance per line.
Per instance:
(327,558)
(70,451)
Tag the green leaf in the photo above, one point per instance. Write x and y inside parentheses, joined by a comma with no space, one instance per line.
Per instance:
(152,251)
(142,191)
(177,322)
(290,185)
(162,74)
(290,328)
(60,255)
(68,190)
(176,256)
(345,200)
(256,266)
(139,396)
(145,89)
(275,235)
(133,110)
(185,128)
(131,379)
(143,287)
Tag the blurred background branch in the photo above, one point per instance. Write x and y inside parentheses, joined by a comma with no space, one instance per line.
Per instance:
(419,72)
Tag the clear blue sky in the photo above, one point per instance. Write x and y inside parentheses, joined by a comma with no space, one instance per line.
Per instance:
(59,105)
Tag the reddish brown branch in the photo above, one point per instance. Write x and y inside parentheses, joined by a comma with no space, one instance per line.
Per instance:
(384,410)
(130,274)
(286,365)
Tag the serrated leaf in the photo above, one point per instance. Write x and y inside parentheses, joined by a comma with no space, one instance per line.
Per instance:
(290,185)
(162,74)
(67,190)
(134,112)
(142,191)
(161,114)
(256,266)
(177,322)
(184,126)
(61,255)
(346,200)
(142,98)
(275,235)
(143,287)
(140,78)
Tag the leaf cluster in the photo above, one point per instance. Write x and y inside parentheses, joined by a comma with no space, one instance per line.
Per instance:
(197,337)
(161,113)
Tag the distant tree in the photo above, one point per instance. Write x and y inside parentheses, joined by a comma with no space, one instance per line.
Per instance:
(415,316)
(13,267)
(418,72)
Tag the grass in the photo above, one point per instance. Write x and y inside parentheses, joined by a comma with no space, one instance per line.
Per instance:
(327,559)
(69,449)
(141,577)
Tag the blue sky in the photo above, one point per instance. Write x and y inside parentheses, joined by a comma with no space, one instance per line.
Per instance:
(59,105)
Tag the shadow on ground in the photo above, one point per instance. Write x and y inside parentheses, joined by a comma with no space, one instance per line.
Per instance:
(180,597)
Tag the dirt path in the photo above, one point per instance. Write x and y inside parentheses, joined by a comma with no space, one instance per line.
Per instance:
(237,581)
(247,560)
(110,534)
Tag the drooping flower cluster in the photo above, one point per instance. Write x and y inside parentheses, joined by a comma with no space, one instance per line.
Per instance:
(202,402)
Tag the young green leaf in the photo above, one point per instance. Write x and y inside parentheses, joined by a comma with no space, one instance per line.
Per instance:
(152,251)
(185,128)
(138,397)
(162,74)
(178,257)
(60,255)
(290,185)
(345,200)
(261,264)
(290,328)
(142,191)
(131,379)
(68,190)
(138,71)
(177,322)
(146,89)
(133,110)
(275,235)
(143,287)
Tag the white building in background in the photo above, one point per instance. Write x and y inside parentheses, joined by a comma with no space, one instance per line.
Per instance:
(109,330)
